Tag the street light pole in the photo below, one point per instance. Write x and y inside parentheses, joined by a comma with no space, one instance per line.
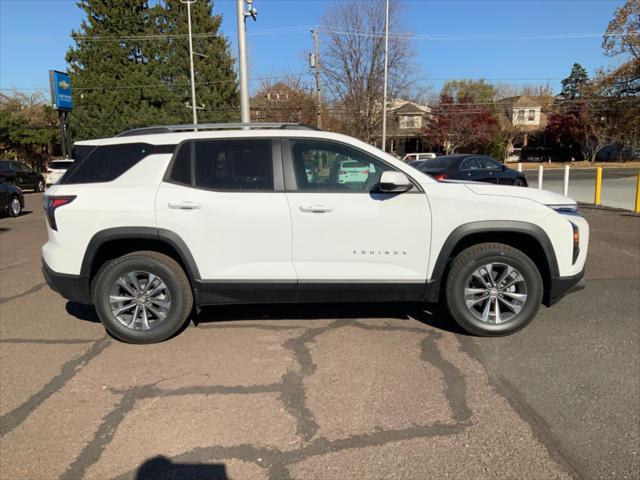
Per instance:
(384,100)
(193,76)
(316,66)
(242,59)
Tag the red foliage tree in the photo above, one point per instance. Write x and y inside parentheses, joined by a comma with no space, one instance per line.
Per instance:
(460,123)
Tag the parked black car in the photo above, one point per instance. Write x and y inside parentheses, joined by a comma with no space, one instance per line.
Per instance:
(477,168)
(11,199)
(22,175)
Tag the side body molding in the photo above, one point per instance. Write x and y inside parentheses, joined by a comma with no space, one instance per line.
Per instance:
(434,284)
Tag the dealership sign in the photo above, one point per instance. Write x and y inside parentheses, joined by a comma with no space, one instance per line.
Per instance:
(60,90)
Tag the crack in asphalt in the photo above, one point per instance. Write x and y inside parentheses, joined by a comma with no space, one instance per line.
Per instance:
(293,396)
(43,341)
(455,385)
(15,417)
(33,289)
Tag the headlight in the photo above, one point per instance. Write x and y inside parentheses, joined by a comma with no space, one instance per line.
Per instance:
(570,209)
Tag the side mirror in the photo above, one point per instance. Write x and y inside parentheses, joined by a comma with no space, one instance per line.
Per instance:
(394,182)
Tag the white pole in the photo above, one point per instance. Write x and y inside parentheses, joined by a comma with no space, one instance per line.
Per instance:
(242,63)
(520,166)
(384,100)
(540,173)
(193,76)
(565,190)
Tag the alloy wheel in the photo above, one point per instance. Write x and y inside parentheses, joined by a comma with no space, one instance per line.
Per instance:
(14,206)
(140,300)
(495,293)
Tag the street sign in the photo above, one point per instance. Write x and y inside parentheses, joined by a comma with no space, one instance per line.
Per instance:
(60,83)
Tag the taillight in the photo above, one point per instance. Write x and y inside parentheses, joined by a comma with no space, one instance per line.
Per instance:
(342,172)
(365,172)
(53,203)
(442,176)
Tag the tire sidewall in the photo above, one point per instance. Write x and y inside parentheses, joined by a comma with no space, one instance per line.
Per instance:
(108,276)
(531,276)
(39,186)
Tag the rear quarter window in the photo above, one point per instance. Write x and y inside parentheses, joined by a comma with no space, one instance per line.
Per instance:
(106,163)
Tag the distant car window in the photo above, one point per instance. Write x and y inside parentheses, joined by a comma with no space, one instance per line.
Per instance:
(442,162)
(108,162)
(337,167)
(60,165)
(471,163)
(234,164)
(489,163)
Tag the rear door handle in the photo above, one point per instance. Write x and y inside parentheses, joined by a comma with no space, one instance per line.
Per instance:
(315,208)
(184,205)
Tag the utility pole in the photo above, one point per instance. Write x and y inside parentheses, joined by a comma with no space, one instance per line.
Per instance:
(315,64)
(193,76)
(384,100)
(242,57)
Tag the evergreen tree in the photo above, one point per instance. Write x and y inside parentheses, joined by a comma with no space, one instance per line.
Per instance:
(574,84)
(130,66)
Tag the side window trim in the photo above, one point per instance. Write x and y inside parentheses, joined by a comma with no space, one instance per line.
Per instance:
(291,183)
(275,159)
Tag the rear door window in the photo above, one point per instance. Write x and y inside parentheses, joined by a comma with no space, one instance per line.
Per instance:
(225,165)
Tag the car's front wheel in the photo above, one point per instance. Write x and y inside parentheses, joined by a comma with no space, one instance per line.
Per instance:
(142,297)
(39,187)
(493,289)
(14,208)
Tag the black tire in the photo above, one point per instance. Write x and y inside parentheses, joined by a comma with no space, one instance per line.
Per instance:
(39,186)
(160,265)
(471,259)
(14,209)
(519,182)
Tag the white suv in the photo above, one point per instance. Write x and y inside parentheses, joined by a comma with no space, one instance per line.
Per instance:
(154,223)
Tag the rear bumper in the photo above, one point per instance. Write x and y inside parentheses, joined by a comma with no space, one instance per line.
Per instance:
(72,287)
(561,286)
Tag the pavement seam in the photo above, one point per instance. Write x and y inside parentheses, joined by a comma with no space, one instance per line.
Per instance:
(541,429)
(15,417)
(44,341)
(33,289)
(455,385)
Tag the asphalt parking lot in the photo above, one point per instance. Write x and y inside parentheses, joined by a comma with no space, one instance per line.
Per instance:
(351,391)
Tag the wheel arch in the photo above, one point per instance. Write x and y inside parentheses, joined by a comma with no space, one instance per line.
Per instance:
(526,237)
(115,242)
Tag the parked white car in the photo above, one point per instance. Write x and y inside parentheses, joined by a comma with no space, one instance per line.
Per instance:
(56,169)
(410,157)
(156,221)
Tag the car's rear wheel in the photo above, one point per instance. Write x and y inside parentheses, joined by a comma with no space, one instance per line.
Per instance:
(493,289)
(518,182)
(14,208)
(39,187)
(142,297)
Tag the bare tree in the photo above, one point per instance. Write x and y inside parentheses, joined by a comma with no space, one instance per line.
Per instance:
(353,61)
(287,100)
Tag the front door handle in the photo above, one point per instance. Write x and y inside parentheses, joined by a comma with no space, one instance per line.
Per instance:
(315,208)
(184,205)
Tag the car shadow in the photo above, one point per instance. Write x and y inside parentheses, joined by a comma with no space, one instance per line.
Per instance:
(162,468)
(83,312)
(432,315)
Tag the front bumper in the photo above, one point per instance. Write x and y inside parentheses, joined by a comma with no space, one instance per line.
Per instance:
(561,286)
(72,287)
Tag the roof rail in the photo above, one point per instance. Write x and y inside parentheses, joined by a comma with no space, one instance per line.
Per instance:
(214,126)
